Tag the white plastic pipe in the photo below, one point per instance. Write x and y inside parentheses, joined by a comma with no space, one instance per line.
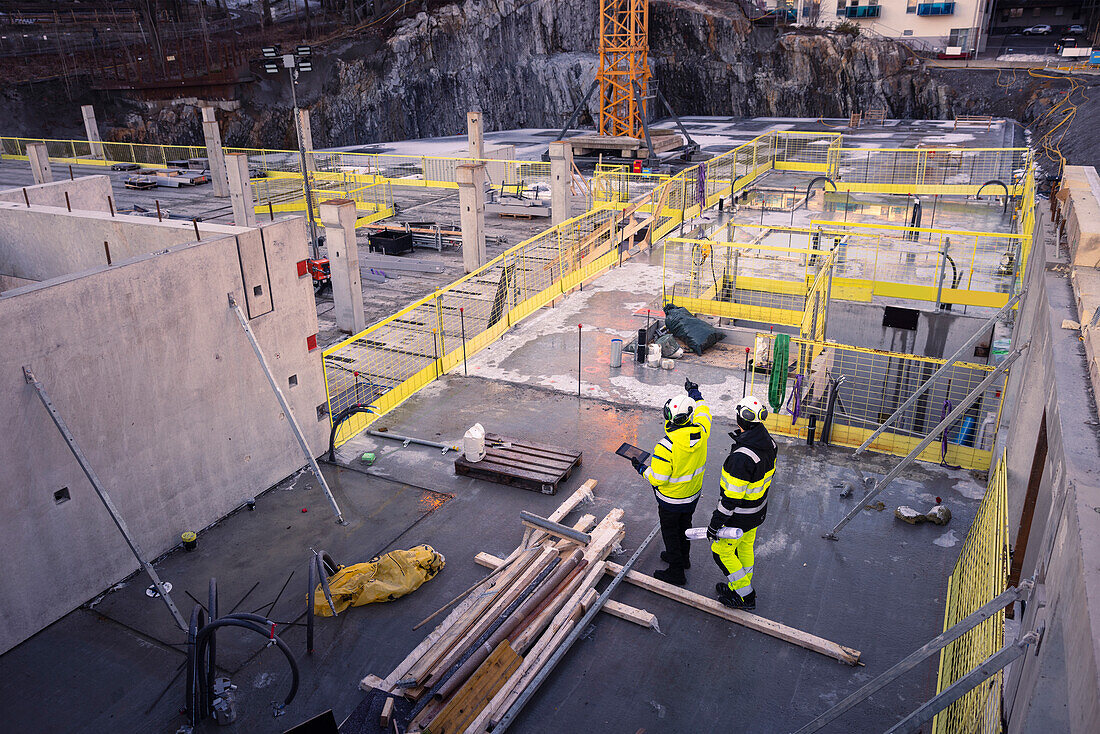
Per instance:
(725,533)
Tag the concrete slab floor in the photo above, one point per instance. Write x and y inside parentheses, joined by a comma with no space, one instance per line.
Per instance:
(879,589)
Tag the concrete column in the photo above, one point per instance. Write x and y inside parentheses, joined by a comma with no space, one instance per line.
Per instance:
(475,133)
(40,162)
(307,138)
(338,216)
(471,208)
(561,178)
(92,129)
(240,190)
(215,157)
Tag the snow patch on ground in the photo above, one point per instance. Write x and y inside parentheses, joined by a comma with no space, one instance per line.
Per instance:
(947,540)
(970,489)
(1026,57)
(776,541)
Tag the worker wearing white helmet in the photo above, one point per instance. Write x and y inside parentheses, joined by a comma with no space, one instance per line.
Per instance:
(676,474)
(743,503)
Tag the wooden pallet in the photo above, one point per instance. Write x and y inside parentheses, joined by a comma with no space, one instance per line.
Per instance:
(524,464)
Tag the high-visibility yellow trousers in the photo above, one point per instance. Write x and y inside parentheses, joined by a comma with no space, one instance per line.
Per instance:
(735,558)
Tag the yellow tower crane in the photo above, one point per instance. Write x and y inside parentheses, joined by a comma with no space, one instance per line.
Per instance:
(624,79)
(623,75)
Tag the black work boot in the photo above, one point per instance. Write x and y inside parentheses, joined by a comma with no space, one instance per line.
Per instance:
(665,558)
(734,600)
(672,575)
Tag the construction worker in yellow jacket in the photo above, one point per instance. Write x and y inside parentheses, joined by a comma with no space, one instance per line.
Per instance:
(676,474)
(743,502)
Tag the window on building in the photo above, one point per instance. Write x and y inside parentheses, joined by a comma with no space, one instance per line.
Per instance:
(840,6)
(908,32)
(1059,11)
(1036,12)
(1015,12)
(958,37)
(911,6)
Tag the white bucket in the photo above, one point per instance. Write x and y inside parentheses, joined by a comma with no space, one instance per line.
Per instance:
(473,443)
(653,357)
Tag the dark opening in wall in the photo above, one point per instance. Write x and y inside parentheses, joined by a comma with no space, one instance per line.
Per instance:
(900,318)
(61,495)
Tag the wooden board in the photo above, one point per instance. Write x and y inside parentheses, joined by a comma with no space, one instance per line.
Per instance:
(475,694)
(775,629)
(760,624)
(523,464)
(616,609)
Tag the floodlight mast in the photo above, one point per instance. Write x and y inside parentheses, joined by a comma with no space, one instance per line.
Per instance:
(293,62)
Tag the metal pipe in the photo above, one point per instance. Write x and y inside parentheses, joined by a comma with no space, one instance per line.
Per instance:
(985,670)
(294,427)
(946,366)
(100,490)
(918,656)
(555,528)
(505,630)
(943,273)
(954,415)
(410,439)
(573,636)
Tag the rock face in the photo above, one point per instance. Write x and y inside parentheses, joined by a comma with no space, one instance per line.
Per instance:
(527,64)
(711,62)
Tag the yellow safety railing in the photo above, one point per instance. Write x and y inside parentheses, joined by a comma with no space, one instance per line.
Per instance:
(810,152)
(740,280)
(400,170)
(980,574)
(622,187)
(388,362)
(920,171)
(872,384)
(284,193)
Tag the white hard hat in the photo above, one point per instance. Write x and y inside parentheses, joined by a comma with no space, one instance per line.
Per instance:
(679,410)
(751,410)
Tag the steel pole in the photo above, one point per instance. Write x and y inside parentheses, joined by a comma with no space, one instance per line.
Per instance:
(314,248)
(953,416)
(294,427)
(86,466)
(985,670)
(578,630)
(946,366)
(914,659)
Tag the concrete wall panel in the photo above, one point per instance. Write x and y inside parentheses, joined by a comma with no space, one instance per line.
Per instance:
(158,383)
(43,242)
(87,193)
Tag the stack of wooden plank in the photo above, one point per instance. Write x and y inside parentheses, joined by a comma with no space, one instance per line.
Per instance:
(470,670)
(468,673)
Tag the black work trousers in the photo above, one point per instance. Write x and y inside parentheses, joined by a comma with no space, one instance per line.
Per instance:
(675,519)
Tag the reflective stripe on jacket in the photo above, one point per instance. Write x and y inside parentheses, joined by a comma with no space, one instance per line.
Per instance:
(679,460)
(746,477)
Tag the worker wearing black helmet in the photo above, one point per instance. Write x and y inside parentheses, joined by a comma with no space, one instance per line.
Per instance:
(743,502)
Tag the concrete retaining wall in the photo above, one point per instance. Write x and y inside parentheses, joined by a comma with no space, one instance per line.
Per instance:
(87,193)
(158,383)
(1057,687)
(938,333)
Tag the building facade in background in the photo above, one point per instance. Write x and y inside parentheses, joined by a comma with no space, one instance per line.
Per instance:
(952,27)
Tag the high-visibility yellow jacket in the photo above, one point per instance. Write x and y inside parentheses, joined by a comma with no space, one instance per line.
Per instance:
(679,460)
(746,477)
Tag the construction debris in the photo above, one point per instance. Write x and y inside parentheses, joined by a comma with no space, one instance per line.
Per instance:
(938,515)
(472,668)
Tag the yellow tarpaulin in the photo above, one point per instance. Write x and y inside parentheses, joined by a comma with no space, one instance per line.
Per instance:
(382,579)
